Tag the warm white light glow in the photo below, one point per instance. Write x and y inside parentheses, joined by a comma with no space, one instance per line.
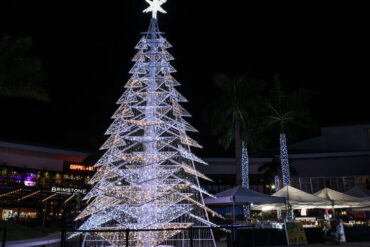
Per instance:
(267,208)
(303,212)
(155,6)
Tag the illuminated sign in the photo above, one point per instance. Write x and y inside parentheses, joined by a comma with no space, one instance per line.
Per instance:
(68,191)
(76,167)
(30,180)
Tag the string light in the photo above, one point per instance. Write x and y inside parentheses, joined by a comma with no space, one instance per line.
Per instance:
(49,197)
(245,177)
(29,195)
(284,160)
(69,198)
(147,177)
(10,193)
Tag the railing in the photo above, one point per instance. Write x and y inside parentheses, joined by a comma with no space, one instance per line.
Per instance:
(229,229)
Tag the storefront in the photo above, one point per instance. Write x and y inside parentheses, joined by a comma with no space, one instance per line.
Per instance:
(73,174)
(31,195)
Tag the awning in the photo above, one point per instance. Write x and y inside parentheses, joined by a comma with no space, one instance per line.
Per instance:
(341,200)
(240,196)
(298,199)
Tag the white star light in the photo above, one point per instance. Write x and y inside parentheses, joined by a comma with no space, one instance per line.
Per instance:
(155,6)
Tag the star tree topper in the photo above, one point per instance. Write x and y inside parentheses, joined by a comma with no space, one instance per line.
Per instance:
(155,6)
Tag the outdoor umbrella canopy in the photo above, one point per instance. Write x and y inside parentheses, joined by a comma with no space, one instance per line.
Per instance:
(341,200)
(298,199)
(240,196)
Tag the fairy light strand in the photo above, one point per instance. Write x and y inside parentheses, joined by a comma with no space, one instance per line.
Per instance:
(245,177)
(284,160)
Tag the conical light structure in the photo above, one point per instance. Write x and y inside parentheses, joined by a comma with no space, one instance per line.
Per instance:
(147,177)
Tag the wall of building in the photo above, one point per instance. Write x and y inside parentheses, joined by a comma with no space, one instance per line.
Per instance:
(315,170)
(337,138)
(35,157)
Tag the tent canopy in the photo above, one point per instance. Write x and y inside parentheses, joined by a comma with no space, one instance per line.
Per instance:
(240,196)
(299,199)
(341,200)
(358,191)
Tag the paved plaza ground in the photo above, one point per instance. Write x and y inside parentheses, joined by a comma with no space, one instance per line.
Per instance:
(362,244)
(359,244)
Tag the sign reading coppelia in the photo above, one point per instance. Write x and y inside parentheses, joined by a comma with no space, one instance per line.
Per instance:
(68,191)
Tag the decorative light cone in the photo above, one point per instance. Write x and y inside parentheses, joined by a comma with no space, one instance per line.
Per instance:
(147,178)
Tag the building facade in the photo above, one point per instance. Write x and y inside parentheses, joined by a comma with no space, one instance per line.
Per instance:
(40,182)
(338,159)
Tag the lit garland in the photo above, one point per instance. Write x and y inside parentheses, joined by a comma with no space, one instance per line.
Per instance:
(277,183)
(192,171)
(188,141)
(147,177)
(245,166)
(10,193)
(284,160)
(49,197)
(188,155)
(69,198)
(29,195)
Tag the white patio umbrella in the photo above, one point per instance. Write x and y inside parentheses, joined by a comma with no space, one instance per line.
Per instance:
(240,195)
(298,199)
(341,200)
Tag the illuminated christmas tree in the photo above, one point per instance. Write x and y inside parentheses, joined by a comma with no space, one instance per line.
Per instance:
(147,178)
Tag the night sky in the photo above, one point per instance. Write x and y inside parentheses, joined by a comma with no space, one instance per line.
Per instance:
(87,47)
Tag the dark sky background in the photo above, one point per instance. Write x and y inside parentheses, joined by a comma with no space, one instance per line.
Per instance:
(87,47)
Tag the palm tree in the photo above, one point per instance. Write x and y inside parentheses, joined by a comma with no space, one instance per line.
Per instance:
(234,116)
(285,110)
(20,73)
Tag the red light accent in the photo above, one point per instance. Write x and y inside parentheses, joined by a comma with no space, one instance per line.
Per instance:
(360,215)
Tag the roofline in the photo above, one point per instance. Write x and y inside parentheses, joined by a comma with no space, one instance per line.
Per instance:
(36,148)
(365,123)
(296,156)
(329,154)
(231,160)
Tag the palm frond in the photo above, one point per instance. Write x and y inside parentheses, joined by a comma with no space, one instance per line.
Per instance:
(27,91)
